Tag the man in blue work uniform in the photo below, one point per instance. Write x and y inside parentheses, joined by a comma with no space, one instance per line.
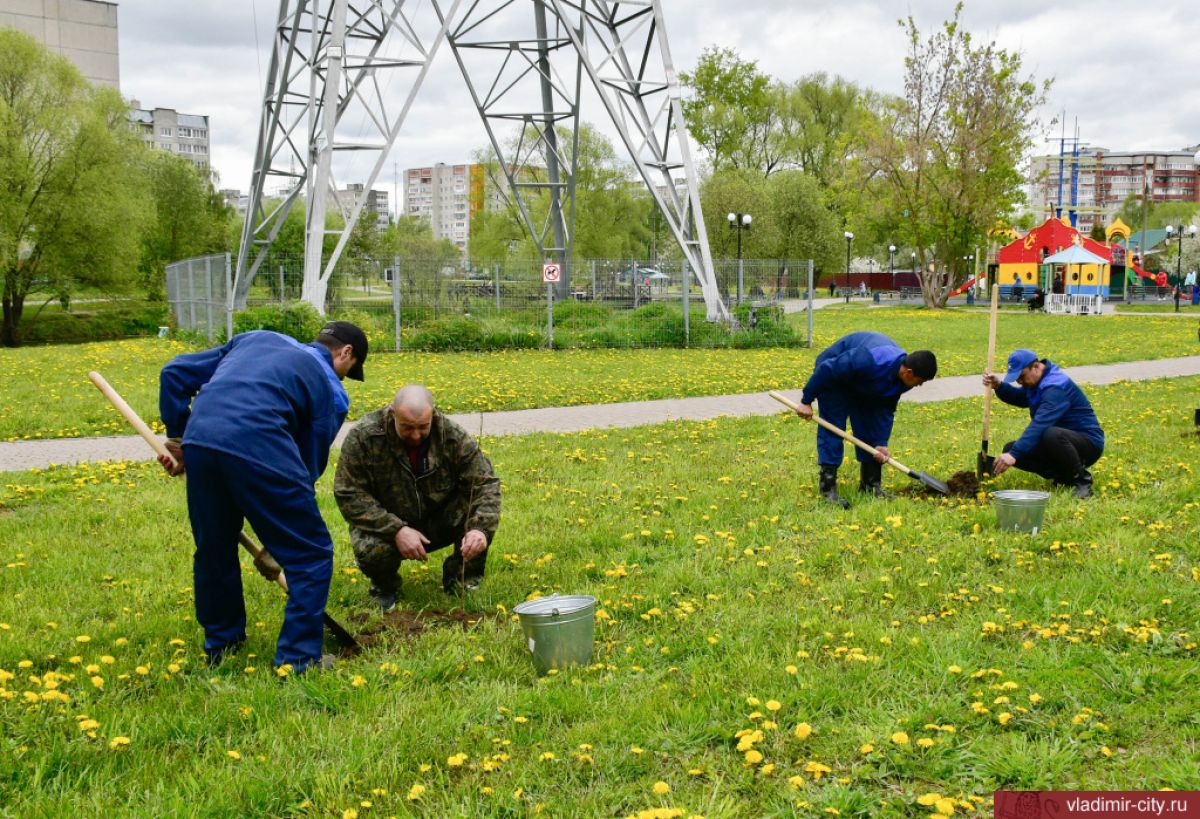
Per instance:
(861,377)
(1063,437)
(254,441)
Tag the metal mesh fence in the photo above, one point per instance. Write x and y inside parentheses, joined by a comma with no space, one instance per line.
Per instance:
(198,293)
(438,304)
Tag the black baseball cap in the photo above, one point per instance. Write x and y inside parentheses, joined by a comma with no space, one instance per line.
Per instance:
(353,335)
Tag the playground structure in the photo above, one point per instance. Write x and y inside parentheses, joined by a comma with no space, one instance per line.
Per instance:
(344,75)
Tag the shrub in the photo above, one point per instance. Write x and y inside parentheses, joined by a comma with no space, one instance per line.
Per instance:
(300,320)
(100,322)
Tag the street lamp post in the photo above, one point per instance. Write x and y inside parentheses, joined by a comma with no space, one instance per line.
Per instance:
(892,264)
(1179,231)
(739,222)
(849,238)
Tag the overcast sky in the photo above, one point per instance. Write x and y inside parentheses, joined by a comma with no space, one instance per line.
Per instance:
(1128,72)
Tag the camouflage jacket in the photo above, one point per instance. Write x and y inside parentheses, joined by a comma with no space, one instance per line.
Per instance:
(378,494)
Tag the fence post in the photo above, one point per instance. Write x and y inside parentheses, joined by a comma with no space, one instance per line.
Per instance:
(593,280)
(810,303)
(550,315)
(497,274)
(208,296)
(396,298)
(687,312)
(282,301)
(228,297)
(191,297)
(633,279)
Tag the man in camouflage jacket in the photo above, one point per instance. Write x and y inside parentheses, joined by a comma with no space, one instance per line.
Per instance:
(410,481)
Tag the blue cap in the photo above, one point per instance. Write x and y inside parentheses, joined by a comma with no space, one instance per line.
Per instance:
(1017,361)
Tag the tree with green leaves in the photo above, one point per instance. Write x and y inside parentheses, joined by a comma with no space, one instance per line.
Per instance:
(791,221)
(944,159)
(611,208)
(72,201)
(731,111)
(189,217)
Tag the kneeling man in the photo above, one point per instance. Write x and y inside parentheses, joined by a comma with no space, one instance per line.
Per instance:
(411,481)
(1063,437)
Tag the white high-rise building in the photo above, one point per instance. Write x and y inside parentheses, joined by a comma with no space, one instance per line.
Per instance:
(83,31)
(447,196)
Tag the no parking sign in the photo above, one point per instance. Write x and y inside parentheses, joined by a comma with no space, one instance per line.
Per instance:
(550,273)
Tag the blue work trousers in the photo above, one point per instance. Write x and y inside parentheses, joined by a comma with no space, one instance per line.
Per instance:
(870,423)
(223,491)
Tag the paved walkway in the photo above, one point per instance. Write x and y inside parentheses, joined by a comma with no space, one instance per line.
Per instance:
(31,454)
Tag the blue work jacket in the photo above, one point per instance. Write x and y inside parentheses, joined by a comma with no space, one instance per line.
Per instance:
(864,367)
(262,396)
(1056,401)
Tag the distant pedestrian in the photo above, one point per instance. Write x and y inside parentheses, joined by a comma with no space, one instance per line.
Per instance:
(1160,282)
(1176,293)
(832,288)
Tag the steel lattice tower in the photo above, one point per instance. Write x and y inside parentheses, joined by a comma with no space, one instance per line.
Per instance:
(337,65)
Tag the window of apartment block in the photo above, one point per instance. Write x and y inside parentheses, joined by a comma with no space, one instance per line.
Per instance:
(164,131)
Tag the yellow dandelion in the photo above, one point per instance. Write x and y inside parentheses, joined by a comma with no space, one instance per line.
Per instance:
(234,755)
(118,742)
(803,731)
(414,793)
(900,738)
(773,705)
(661,788)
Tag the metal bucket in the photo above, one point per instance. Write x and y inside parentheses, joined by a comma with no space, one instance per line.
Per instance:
(1020,510)
(558,629)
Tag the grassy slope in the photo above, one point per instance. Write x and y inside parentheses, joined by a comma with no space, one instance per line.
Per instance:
(721,578)
(44,392)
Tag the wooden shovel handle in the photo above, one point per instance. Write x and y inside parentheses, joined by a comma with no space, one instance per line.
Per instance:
(841,433)
(991,362)
(157,445)
(131,415)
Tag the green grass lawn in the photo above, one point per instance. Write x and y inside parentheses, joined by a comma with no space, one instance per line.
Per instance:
(758,653)
(1152,306)
(44,392)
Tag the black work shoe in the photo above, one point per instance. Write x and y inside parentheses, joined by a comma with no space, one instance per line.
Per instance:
(828,487)
(1083,485)
(218,654)
(386,600)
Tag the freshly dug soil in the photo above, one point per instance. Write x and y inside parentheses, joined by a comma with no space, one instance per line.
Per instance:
(406,624)
(963,484)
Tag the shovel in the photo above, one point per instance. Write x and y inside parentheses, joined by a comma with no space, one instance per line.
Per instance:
(929,481)
(261,557)
(985,463)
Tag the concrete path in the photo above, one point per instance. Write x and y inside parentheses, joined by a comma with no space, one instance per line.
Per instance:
(22,455)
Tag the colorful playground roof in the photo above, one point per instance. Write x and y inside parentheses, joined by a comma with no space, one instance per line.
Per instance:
(1046,240)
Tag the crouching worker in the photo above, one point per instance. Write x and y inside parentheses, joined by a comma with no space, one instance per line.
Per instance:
(861,377)
(410,481)
(1063,437)
(252,422)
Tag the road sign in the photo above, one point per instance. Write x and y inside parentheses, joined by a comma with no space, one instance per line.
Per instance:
(550,273)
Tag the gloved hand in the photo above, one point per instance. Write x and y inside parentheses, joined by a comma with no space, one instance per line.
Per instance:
(267,566)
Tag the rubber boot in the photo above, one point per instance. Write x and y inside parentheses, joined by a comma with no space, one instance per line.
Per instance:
(1083,484)
(829,486)
(871,479)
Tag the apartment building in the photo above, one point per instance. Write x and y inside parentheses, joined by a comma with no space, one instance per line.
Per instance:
(1094,182)
(375,208)
(447,196)
(83,31)
(167,130)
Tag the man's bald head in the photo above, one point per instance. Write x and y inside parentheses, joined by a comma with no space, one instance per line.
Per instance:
(412,413)
(413,397)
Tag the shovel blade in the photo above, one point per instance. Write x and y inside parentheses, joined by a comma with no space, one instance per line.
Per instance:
(931,482)
(984,465)
(340,633)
